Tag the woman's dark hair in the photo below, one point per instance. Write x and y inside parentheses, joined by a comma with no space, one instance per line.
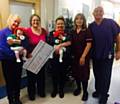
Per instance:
(60,18)
(84,26)
(34,15)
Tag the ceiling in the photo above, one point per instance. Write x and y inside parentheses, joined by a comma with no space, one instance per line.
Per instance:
(115,1)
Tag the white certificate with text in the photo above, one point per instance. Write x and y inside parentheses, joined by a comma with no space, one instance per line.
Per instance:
(40,55)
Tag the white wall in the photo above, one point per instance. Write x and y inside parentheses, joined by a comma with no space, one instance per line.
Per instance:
(23,10)
(117,13)
(51,9)
(108,9)
(47,11)
(74,7)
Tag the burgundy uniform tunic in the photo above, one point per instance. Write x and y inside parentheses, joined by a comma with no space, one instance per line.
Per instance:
(79,41)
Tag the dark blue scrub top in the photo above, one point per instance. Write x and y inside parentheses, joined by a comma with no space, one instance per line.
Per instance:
(5,51)
(103,38)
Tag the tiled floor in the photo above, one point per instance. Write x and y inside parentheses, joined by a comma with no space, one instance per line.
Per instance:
(70,99)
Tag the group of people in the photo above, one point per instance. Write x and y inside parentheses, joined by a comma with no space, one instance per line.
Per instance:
(94,42)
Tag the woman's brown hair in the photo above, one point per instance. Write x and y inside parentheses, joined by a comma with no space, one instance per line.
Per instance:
(34,15)
(60,18)
(84,26)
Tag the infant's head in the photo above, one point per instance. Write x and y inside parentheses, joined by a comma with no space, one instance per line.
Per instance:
(19,32)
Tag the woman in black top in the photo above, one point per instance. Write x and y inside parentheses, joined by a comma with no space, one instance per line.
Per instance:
(59,39)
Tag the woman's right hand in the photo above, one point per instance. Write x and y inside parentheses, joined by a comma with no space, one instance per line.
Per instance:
(13,41)
(57,48)
(10,41)
(82,61)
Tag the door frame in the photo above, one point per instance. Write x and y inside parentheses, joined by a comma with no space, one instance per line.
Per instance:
(36,4)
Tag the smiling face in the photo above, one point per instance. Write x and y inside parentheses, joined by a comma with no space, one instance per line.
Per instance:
(79,21)
(19,33)
(98,13)
(13,21)
(60,25)
(35,21)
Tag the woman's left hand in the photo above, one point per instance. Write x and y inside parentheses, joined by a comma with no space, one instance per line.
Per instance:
(82,60)
(117,55)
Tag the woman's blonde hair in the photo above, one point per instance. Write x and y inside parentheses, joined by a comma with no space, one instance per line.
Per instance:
(11,17)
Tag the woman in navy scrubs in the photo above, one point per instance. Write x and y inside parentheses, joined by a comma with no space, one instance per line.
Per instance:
(11,69)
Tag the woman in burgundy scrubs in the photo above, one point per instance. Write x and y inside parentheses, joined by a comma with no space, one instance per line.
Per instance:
(81,41)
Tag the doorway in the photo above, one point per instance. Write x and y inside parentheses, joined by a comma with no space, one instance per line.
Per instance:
(24,10)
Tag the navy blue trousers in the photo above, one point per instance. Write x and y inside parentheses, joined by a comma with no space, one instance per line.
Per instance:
(102,72)
(12,74)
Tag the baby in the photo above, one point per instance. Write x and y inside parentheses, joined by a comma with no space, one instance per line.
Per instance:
(16,46)
(59,38)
